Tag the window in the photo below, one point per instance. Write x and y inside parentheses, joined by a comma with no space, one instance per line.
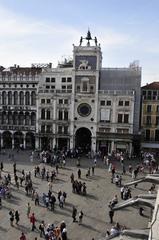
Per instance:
(85,87)
(65,129)
(43,128)
(48,115)
(63,87)
(59,129)
(126,118)
(157,120)
(69,87)
(105,115)
(42,101)
(69,79)
(102,103)
(60,101)
(47,87)
(65,115)
(120,116)
(16,98)
(120,103)
(33,98)
(157,108)
(91,88)
(48,128)
(78,88)
(21,119)
(9,98)
(108,103)
(52,79)
(126,103)
(60,115)
(27,98)
(48,101)
(52,87)
(27,119)
(148,120)
(33,119)
(21,98)
(47,79)
(147,134)
(63,79)
(42,113)
(157,135)
(65,101)
(149,108)
(4,98)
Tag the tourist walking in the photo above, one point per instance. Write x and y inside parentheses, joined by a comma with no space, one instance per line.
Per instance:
(33,220)
(22,237)
(11,213)
(28,210)
(80,217)
(17,216)
(74,213)
(111,215)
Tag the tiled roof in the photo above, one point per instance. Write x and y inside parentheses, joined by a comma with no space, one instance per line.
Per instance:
(152,86)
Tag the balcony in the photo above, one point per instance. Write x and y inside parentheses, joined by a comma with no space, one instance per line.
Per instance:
(17,128)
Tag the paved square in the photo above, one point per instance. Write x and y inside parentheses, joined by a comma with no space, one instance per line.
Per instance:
(100,191)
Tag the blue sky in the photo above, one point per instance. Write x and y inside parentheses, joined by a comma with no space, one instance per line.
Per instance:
(35,31)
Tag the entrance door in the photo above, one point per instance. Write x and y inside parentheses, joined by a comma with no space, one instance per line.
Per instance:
(83,140)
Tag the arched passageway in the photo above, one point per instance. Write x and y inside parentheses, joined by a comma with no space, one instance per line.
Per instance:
(83,139)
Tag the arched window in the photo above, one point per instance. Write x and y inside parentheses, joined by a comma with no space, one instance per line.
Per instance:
(33,98)
(21,118)
(4,98)
(42,113)
(16,98)
(27,119)
(21,98)
(85,87)
(15,118)
(4,118)
(48,114)
(10,119)
(33,119)
(9,98)
(27,98)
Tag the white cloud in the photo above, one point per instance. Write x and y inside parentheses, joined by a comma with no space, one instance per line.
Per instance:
(26,40)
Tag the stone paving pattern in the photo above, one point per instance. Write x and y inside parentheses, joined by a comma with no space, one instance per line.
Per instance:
(100,191)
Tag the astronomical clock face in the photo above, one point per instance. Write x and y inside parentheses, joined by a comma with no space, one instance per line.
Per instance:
(84,109)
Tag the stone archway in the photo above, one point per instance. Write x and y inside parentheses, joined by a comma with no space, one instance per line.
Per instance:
(18,139)
(83,139)
(7,139)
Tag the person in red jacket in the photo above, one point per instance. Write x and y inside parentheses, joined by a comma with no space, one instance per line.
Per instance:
(22,237)
(33,220)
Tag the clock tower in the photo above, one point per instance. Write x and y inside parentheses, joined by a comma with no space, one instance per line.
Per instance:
(87,60)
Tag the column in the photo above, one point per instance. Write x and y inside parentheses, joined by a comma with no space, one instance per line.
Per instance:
(37,143)
(130,149)
(71,143)
(53,143)
(24,141)
(68,143)
(93,144)
(12,141)
(1,141)
(112,146)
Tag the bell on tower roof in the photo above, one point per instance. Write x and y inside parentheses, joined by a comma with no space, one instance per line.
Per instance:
(88,35)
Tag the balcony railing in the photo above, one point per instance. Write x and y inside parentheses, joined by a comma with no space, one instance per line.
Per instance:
(17,128)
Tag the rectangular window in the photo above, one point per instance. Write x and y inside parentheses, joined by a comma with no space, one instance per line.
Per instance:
(157,120)
(63,79)
(149,108)
(47,87)
(69,79)
(78,88)
(59,129)
(126,118)
(157,108)
(65,101)
(126,103)
(48,128)
(60,101)
(157,135)
(60,115)
(48,101)
(148,120)
(42,101)
(147,134)
(52,79)
(108,103)
(120,116)
(47,79)
(65,115)
(102,103)
(120,103)
(63,87)
(65,129)
(48,115)
(52,87)
(69,86)
(43,128)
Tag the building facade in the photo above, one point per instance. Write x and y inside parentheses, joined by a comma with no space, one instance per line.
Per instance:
(81,104)
(78,104)
(150,117)
(18,109)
